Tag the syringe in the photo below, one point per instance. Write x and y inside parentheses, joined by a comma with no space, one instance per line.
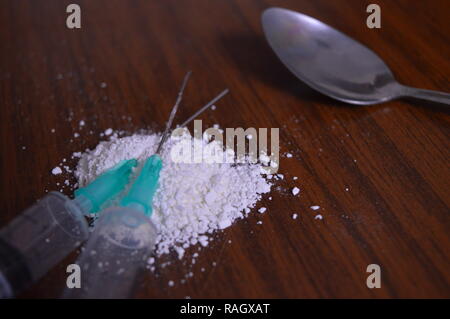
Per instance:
(48,231)
(123,238)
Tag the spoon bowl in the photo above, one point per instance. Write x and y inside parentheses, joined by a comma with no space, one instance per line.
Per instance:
(333,63)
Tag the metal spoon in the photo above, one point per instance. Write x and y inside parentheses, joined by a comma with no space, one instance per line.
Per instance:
(333,63)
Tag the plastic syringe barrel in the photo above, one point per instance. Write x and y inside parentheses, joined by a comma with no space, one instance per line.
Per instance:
(37,240)
(114,255)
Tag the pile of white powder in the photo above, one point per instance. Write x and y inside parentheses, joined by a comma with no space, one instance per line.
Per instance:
(193,199)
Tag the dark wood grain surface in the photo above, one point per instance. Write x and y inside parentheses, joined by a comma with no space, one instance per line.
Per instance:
(393,158)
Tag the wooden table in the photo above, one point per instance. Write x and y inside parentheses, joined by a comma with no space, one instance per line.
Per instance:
(380,174)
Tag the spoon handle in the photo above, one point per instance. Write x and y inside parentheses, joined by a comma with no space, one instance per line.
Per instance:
(428,95)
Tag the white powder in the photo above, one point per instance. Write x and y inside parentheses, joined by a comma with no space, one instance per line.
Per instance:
(315,207)
(295,191)
(57,170)
(262,210)
(193,199)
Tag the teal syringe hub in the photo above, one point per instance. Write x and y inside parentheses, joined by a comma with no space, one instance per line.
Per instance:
(144,188)
(107,184)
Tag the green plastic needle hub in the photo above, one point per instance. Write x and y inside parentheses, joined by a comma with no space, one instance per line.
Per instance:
(107,184)
(144,188)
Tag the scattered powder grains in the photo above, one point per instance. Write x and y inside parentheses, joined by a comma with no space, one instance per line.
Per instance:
(57,170)
(194,198)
